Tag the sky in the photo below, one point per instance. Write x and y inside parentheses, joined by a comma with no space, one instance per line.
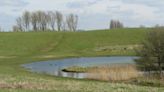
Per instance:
(93,14)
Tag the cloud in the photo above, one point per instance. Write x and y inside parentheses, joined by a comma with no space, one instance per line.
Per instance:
(12,7)
(147,2)
(14,3)
(6,21)
(81,4)
(93,13)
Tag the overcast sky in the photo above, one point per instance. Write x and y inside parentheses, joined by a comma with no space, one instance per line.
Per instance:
(93,14)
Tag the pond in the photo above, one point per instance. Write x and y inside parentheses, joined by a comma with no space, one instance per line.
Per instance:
(54,67)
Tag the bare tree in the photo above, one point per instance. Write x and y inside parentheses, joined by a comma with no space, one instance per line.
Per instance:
(142,26)
(42,21)
(116,24)
(52,19)
(59,20)
(15,28)
(26,20)
(64,25)
(34,21)
(112,24)
(39,20)
(20,24)
(72,21)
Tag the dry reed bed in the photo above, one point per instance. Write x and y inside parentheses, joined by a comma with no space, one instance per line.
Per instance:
(113,73)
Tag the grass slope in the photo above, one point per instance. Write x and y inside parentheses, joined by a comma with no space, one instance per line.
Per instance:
(29,43)
(20,48)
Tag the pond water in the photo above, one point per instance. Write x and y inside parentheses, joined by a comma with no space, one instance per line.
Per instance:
(54,67)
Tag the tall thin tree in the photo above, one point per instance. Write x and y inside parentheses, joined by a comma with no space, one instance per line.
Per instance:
(20,24)
(72,21)
(59,20)
(34,21)
(26,17)
(52,19)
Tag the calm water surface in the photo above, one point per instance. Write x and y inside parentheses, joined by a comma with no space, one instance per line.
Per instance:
(54,67)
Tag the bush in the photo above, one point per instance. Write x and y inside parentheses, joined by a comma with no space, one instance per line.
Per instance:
(152,52)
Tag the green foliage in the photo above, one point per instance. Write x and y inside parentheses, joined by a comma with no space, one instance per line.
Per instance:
(152,52)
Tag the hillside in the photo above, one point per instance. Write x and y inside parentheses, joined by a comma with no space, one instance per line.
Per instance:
(27,47)
(100,42)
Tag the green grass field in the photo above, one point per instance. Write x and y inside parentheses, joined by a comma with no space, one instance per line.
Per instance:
(27,47)
(59,43)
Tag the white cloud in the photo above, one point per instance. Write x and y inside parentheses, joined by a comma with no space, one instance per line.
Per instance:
(138,11)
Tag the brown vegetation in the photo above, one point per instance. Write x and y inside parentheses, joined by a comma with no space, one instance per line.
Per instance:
(113,73)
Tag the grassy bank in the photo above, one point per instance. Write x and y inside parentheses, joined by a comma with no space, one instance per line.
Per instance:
(21,48)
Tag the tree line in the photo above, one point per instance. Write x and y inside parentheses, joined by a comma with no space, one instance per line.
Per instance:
(45,20)
(114,24)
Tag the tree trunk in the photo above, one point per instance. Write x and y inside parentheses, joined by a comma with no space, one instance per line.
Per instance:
(160,67)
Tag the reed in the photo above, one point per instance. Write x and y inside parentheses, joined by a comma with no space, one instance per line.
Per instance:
(113,73)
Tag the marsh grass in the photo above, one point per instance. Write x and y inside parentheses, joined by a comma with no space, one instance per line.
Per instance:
(113,73)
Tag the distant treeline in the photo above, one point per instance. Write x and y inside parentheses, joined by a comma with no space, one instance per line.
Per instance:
(45,21)
(56,21)
(114,24)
